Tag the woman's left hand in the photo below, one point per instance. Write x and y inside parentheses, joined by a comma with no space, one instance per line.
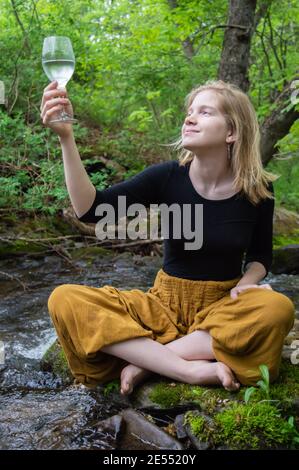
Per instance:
(237,289)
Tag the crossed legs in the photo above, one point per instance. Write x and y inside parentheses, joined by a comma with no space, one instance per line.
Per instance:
(187,359)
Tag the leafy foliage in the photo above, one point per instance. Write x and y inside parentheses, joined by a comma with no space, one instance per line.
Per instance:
(131,78)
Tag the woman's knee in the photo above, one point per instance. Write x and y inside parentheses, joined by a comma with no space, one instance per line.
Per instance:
(280,310)
(59,299)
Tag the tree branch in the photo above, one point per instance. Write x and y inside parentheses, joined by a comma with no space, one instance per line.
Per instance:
(16,14)
(186,43)
(277,124)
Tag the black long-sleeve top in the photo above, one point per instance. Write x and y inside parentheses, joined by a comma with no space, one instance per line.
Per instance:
(234,229)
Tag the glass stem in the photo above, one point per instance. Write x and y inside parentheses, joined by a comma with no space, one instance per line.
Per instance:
(63,112)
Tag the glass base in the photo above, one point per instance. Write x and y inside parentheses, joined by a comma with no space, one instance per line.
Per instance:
(64,118)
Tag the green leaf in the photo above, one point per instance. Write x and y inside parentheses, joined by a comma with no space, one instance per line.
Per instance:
(265,373)
(262,385)
(291,420)
(248,392)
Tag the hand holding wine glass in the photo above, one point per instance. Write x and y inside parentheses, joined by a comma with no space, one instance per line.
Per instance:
(58,62)
(53,101)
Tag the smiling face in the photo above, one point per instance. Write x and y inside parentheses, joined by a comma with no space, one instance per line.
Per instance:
(205,125)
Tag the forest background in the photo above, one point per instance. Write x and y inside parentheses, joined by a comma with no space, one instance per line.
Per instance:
(136,60)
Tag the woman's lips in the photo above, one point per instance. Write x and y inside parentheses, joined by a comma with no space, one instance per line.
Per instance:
(190,131)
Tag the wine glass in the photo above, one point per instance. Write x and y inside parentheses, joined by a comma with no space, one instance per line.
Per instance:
(58,62)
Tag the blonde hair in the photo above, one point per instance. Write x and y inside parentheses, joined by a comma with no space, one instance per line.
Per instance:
(249,175)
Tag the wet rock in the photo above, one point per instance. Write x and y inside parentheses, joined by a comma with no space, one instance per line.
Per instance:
(285,222)
(104,434)
(51,420)
(180,426)
(121,260)
(147,432)
(286,260)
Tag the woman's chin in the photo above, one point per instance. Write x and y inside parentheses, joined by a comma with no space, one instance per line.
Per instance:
(190,147)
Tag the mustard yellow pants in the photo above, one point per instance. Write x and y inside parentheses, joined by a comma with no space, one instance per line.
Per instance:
(246,331)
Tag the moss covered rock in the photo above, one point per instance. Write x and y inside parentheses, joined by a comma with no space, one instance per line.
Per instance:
(54,360)
(258,425)
(223,419)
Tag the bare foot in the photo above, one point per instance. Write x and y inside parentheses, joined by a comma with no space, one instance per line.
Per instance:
(130,376)
(205,373)
(227,377)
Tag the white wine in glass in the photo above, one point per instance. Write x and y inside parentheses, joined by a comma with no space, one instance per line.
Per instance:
(58,62)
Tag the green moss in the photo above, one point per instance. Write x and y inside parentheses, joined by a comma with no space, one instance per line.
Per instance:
(283,240)
(254,426)
(55,360)
(197,425)
(30,227)
(284,390)
(35,226)
(211,399)
(173,394)
(112,386)
(208,398)
(167,395)
(19,247)
(60,366)
(258,425)
(201,426)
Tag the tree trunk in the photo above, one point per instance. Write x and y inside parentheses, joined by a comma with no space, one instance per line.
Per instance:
(235,54)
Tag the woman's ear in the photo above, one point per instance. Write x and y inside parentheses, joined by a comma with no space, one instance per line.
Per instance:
(231,137)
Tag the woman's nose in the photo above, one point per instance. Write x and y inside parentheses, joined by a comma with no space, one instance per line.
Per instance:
(189,118)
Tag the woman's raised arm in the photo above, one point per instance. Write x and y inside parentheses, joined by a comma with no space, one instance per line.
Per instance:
(80,188)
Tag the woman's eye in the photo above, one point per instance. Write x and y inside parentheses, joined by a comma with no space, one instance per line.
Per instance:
(201,112)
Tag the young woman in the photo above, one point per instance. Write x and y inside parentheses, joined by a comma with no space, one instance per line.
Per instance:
(206,320)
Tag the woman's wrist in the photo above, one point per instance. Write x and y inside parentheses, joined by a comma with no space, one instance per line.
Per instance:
(66,138)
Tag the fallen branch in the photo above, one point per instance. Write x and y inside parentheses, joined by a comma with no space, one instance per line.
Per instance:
(14,278)
(47,239)
(107,241)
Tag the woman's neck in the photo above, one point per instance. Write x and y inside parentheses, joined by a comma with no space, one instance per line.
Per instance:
(211,173)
